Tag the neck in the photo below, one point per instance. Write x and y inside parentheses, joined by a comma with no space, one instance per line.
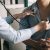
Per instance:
(43,3)
(43,9)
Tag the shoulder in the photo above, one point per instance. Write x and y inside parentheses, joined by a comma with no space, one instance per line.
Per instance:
(31,7)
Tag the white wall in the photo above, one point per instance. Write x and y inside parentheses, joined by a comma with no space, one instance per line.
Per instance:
(21,1)
(3,12)
(7,2)
(30,2)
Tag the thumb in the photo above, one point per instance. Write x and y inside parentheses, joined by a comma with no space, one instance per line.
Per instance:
(47,25)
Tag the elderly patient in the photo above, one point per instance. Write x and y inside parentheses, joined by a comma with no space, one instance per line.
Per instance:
(42,10)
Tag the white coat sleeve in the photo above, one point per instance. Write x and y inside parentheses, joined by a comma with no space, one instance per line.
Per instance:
(13,36)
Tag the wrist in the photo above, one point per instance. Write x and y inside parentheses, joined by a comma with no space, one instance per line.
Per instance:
(40,26)
(35,29)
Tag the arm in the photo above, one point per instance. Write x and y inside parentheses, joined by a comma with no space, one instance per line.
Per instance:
(9,34)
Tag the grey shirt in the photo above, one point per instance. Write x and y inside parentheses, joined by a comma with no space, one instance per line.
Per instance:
(33,20)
